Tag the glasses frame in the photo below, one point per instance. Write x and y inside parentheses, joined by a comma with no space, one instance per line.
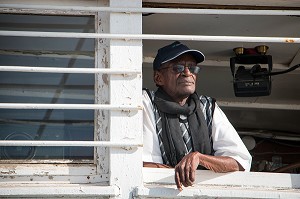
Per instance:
(179,68)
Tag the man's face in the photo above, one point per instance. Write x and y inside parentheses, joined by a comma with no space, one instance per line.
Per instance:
(178,85)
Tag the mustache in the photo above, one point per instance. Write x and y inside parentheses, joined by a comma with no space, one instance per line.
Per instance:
(184,79)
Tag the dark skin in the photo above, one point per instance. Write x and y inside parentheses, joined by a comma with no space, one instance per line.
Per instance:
(180,86)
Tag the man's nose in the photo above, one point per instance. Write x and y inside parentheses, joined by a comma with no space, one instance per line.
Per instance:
(186,71)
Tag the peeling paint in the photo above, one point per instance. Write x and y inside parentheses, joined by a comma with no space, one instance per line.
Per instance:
(81,190)
(42,173)
(127,148)
(105,79)
(8,172)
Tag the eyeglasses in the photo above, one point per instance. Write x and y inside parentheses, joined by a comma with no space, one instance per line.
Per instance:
(179,68)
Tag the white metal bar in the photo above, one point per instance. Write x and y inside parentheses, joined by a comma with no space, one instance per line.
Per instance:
(128,107)
(150,36)
(259,105)
(132,107)
(156,10)
(213,63)
(68,70)
(114,144)
(68,106)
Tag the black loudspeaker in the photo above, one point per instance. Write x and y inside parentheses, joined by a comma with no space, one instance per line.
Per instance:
(254,81)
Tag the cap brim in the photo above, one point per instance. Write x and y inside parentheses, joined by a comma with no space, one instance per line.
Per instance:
(199,56)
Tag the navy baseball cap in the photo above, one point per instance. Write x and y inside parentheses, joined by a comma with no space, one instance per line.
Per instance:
(174,50)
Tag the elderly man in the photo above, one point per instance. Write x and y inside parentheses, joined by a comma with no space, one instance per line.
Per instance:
(184,130)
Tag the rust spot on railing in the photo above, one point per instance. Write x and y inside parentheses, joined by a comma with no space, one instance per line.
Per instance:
(289,41)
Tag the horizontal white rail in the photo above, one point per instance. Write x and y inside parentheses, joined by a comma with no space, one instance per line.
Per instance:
(219,63)
(131,107)
(150,36)
(68,70)
(156,10)
(125,143)
(68,106)
(259,105)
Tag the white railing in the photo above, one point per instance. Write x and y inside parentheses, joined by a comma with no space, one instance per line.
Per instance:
(156,10)
(150,37)
(68,70)
(70,106)
(131,107)
(111,144)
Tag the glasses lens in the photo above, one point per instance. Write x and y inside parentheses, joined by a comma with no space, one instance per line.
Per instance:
(194,69)
(178,68)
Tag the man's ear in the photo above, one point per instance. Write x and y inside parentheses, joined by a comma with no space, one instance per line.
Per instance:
(157,77)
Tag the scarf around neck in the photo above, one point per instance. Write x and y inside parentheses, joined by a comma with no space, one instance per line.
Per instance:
(171,135)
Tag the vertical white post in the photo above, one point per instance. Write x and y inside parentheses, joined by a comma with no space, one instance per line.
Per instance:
(102,89)
(126,164)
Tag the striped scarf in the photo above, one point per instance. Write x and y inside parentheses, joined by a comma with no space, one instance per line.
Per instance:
(172,145)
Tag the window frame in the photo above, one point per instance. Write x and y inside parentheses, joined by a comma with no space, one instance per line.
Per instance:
(108,147)
(54,170)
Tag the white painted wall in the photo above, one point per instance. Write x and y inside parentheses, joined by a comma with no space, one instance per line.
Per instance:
(125,165)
